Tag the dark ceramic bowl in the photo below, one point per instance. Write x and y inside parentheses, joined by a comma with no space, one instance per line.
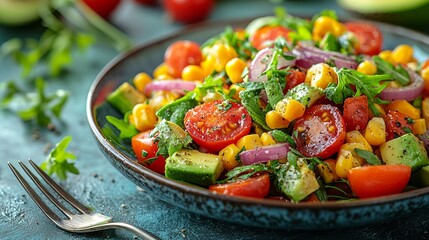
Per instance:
(251,212)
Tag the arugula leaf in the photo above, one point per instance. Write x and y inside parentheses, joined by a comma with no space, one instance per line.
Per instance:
(369,85)
(126,129)
(176,110)
(245,172)
(370,157)
(281,136)
(57,161)
(398,72)
(170,138)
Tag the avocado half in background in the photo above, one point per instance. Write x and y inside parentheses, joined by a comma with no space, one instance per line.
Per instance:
(20,12)
(409,13)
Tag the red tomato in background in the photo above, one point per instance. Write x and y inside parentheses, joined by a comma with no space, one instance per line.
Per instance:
(188,11)
(369,37)
(181,54)
(378,180)
(356,113)
(104,8)
(268,34)
(320,132)
(145,149)
(397,124)
(214,126)
(294,78)
(257,187)
(147,2)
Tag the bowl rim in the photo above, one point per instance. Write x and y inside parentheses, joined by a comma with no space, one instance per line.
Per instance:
(203,192)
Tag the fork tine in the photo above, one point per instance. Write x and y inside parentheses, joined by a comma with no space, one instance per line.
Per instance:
(70,199)
(42,205)
(45,191)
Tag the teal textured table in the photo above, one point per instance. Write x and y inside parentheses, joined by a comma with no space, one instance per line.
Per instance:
(103,188)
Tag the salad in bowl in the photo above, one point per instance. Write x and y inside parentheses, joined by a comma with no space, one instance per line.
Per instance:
(285,109)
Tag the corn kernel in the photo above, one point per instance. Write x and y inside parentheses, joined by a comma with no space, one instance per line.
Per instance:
(267,139)
(208,65)
(144,117)
(425,110)
(221,54)
(419,126)
(325,24)
(320,75)
(344,163)
(387,56)
(228,156)
(160,70)
(375,132)
(290,109)
(234,69)
(141,80)
(249,142)
(404,107)
(402,54)
(357,160)
(425,75)
(367,67)
(193,73)
(275,121)
(356,137)
(162,98)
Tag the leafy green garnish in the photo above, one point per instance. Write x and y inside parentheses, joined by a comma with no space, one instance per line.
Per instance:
(370,157)
(176,110)
(244,172)
(126,129)
(250,100)
(57,161)
(369,85)
(397,72)
(281,136)
(170,138)
(37,106)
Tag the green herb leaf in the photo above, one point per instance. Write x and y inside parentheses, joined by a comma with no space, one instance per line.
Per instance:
(126,129)
(170,138)
(281,136)
(398,72)
(370,157)
(245,172)
(57,161)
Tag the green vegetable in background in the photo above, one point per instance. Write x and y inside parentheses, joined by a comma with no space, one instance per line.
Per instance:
(57,161)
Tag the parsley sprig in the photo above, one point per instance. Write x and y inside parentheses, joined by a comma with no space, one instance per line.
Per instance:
(369,85)
(57,160)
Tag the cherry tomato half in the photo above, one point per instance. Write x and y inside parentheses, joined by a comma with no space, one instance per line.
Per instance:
(181,54)
(320,132)
(356,113)
(188,11)
(294,78)
(268,34)
(257,187)
(102,7)
(370,38)
(397,124)
(216,124)
(145,149)
(378,180)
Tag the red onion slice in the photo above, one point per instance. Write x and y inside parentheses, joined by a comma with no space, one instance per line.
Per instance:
(408,93)
(177,85)
(260,62)
(264,154)
(307,56)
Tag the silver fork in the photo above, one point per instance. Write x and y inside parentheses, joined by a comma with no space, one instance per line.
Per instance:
(85,221)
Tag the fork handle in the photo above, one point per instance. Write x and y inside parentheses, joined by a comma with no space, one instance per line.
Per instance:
(140,232)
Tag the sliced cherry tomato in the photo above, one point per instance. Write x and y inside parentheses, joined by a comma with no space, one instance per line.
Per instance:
(320,132)
(370,38)
(216,124)
(145,149)
(181,54)
(267,34)
(397,124)
(356,113)
(378,180)
(188,11)
(257,187)
(102,7)
(294,78)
